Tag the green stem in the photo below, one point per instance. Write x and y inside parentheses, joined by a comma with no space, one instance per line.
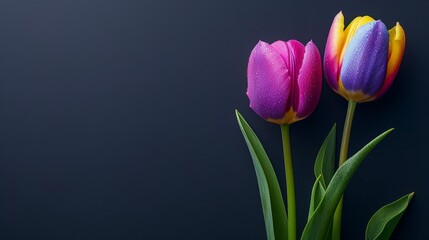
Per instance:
(336,226)
(290,183)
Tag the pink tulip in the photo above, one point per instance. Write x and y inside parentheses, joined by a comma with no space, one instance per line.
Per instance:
(284,80)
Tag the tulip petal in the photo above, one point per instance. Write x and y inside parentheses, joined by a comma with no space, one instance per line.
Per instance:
(309,81)
(333,48)
(396,51)
(292,53)
(350,32)
(365,60)
(269,84)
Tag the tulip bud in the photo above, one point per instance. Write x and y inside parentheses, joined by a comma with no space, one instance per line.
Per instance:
(284,80)
(362,60)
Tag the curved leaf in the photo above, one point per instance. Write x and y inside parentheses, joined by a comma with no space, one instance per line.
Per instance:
(318,225)
(325,159)
(384,221)
(316,196)
(271,197)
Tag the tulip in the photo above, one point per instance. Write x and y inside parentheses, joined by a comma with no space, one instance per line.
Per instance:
(362,61)
(360,64)
(284,80)
(284,85)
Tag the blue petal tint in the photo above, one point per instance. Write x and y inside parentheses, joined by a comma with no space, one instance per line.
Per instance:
(365,59)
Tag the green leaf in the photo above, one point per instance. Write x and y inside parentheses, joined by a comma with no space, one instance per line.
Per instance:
(318,225)
(325,160)
(271,197)
(384,221)
(316,196)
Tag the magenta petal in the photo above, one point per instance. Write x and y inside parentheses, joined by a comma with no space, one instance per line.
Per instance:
(269,84)
(292,53)
(332,51)
(331,71)
(309,81)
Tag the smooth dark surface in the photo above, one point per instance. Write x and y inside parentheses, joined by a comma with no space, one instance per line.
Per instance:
(117,119)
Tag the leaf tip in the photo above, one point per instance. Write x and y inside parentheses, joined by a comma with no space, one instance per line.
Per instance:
(383,135)
(238,115)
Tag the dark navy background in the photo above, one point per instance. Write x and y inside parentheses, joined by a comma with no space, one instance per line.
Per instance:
(117,119)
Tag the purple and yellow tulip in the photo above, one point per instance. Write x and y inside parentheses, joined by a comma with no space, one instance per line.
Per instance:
(284,80)
(362,60)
